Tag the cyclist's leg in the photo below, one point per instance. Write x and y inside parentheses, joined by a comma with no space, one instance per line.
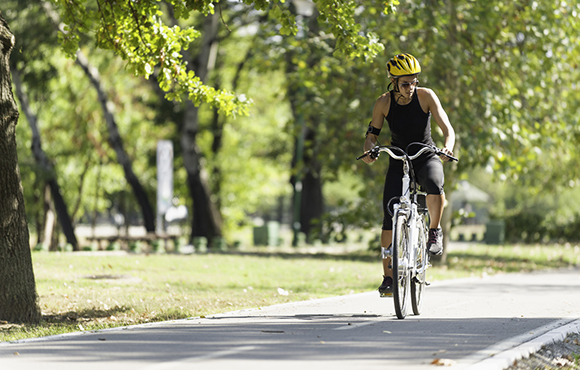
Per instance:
(393,188)
(386,239)
(435,205)
(430,175)
(386,287)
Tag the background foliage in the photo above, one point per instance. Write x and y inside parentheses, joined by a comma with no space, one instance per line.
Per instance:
(505,72)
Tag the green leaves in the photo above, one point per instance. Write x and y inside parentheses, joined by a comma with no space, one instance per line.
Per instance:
(135,30)
(350,41)
(286,19)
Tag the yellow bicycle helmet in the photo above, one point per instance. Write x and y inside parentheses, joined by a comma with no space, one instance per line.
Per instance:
(403,65)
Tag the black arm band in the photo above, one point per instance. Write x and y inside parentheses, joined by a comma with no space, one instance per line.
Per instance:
(373,130)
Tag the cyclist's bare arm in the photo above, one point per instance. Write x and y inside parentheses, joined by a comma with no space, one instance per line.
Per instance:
(380,111)
(442,120)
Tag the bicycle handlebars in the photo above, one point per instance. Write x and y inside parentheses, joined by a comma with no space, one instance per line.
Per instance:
(376,151)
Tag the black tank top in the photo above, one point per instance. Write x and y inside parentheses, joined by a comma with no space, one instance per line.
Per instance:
(409,124)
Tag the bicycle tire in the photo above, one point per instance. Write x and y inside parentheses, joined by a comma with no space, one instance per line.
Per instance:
(421,262)
(401,263)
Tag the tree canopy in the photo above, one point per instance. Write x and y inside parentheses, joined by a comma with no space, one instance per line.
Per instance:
(136,31)
(501,80)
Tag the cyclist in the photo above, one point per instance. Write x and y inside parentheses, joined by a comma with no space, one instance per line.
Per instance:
(408,110)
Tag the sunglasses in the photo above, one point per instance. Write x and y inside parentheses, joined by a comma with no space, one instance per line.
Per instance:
(409,84)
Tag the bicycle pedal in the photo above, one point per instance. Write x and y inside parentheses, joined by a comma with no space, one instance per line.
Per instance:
(427,283)
(385,295)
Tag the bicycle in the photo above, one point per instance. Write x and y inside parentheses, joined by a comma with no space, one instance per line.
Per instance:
(408,252)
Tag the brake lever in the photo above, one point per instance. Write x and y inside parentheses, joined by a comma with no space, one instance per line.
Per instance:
(373,153)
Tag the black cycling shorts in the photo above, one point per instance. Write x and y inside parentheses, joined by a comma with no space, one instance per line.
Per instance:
(429,175)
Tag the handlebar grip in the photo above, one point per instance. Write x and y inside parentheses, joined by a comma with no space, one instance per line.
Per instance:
(440,152)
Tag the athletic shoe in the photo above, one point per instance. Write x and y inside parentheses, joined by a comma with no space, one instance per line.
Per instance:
(435,243)
(386,288)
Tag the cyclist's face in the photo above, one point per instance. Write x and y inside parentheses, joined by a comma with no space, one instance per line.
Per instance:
(407,85)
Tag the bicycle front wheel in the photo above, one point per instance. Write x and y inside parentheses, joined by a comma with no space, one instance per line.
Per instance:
(401,263)
(421,263)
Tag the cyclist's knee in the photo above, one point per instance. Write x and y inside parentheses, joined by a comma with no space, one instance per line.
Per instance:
(433,187)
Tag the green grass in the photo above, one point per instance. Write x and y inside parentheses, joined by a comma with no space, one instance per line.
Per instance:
(518,258)
(79,292)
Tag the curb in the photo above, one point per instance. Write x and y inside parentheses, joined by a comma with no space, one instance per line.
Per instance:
(503,355)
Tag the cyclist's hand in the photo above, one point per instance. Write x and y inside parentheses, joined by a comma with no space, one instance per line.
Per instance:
(448,152)
(368,159)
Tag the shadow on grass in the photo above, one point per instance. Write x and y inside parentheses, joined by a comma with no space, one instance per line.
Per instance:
(82,320)
(51,324)
(72,317)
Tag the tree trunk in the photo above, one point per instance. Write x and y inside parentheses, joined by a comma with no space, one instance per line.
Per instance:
(45,166)
(306,169)
(217,129)
(312,201)
(206,220)
(18,298)
(116,143)
(312,206)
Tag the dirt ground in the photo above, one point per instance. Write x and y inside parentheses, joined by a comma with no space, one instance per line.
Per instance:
(558,355)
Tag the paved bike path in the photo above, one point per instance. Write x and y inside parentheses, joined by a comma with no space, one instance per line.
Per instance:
(465,322)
